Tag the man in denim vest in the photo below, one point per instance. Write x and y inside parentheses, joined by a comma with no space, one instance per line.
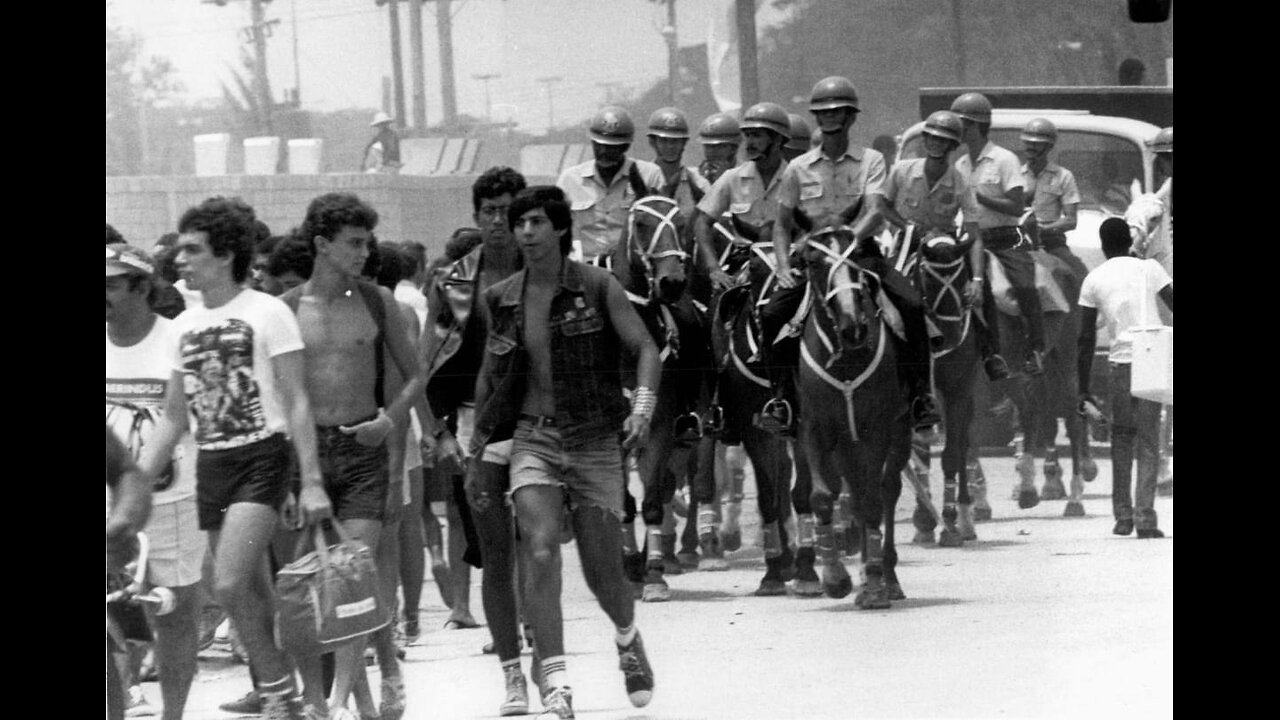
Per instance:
(553,363)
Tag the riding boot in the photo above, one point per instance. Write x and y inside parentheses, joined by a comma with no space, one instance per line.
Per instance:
(987,333)
(915,361)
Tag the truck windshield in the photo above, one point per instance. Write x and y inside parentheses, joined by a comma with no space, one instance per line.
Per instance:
(1104,165)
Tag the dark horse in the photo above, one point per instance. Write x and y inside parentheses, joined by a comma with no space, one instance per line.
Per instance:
(853,411)
(651,263)
(939,269)
(742,390)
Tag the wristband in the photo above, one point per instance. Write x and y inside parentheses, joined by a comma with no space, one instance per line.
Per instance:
(643,402)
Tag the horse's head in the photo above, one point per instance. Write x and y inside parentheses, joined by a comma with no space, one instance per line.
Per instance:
(1141,216)
(941,274)
(841,287)
(654,243)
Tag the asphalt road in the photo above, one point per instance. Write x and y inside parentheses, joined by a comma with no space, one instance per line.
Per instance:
(1042,617)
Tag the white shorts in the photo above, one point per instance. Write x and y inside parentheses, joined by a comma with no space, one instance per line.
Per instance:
(177,544)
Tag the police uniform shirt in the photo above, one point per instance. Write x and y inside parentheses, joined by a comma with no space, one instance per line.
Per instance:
(599,212)
(823,187)
(741,192)
(686,180)
(930,208)
(1051,190)
(997,172)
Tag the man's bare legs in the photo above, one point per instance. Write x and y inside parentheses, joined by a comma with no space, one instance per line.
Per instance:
(412,555)
(538,511)
(459,570)
(242,585)
(177,638)
(497,584)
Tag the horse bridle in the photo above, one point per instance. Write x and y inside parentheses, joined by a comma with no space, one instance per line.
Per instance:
(665,220)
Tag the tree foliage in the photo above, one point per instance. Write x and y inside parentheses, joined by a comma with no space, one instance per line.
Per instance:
(135,86)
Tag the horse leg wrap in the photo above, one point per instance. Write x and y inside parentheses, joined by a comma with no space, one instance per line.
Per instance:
(772,539)
(875,552)
(708,523)
(655,542)
(826,543)
(805,530)
(949,487)
(629,538)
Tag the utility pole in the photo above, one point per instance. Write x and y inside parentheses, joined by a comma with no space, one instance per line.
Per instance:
(485,78)
(417,67)
(297,72)
(551,110)
(397,68)
(444,33)
(259,32)
(957,29)
(673,53)
(750,81)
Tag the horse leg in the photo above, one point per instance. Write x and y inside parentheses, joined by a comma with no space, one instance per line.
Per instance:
(1054,385)
(807,583)
(1078,433)
(891,491)
(867,464)
(823,474)
(658,490)
(767,501)
(960,416)
(731,494)
(916,472)
(1026,463)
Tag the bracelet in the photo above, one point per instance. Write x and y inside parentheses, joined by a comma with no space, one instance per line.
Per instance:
(643,402)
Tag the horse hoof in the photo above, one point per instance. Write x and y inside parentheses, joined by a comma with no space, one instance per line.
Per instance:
(924,538)
(873,596)
(981,513)
(688,561)
(1026,467)
(1028,499)
(839,589)
(1053,489)
(808,588)
(1073,509)
(950,538)
(1089,468)
(771,588)
(656,592)
(894,591)
(731,541)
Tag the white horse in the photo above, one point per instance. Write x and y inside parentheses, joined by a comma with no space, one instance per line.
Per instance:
(1151,224)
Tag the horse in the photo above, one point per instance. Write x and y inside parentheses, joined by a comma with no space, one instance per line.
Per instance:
(742,391)
(1153,239)
(650,261)
(853,411)
(939,269)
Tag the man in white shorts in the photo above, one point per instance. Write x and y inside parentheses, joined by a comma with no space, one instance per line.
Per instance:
(138,368)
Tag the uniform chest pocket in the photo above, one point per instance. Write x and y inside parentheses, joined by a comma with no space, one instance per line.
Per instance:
(499,345)
(1050,189)
(811,191)
(581,325)
(580,205)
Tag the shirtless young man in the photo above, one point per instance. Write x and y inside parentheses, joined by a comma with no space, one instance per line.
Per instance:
(556,331)
(343,348)
(242,457)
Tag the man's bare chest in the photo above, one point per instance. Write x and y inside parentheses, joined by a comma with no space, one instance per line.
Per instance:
(339,327)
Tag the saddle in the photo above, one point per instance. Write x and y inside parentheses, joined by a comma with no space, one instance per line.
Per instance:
(1052,299)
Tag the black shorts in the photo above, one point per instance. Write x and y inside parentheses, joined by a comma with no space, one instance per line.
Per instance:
(255,473)
(356,476)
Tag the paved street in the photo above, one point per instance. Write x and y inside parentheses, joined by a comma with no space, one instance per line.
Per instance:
(1042,617)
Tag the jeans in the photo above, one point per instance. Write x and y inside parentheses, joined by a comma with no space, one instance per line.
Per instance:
(1133,419)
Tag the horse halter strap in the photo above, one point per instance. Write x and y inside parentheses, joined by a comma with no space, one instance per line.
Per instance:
(839,259)
(665,220)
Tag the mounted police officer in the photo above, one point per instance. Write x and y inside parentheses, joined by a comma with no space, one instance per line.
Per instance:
(824,184)
(668,134)
(720,137)
(1052,196)
(929,193)
(600,191)
(800,137)
(996,177)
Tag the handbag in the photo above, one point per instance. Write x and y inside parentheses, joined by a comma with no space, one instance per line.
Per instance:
(328,596)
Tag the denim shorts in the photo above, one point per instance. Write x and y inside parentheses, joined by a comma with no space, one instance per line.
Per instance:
(254,473)
(591,475)
(356,476)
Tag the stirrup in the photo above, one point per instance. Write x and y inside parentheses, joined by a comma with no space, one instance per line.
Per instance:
(688,428)
(713,421)
(776,416)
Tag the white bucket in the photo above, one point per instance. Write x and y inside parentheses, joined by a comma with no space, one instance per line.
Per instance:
(1151,375)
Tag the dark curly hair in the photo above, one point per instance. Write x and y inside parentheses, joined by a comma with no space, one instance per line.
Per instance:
(230,225)
(463,241)
(393,262)
(552,201)
(114,236)
(331,212)
(292,254)
(494,182)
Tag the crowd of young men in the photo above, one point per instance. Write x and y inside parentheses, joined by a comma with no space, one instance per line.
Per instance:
(304,404)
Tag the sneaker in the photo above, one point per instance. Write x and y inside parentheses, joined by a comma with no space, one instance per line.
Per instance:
(1150,533)
(557,705)
(138,705)
(391,707)
(517,702)
(1124,526)
(250,704)
(996,368)
(636,671)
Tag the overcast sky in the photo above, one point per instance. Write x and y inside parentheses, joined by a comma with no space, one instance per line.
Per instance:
(344,49)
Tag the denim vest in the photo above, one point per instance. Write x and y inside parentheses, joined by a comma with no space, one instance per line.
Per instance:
(586,373)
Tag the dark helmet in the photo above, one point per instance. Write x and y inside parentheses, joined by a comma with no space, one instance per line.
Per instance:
(1040,130)
(1162,142)
(800,132)
(668,122)
(944,124)
(767,116)
(720,128)
(612,126)
(833,92)
(973,106)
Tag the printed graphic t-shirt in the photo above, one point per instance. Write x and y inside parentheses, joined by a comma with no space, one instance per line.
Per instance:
(225,355)
(137,377)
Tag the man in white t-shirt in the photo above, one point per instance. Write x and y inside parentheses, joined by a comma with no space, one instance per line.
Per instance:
(138,369)
(241,353)
(1123,290)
